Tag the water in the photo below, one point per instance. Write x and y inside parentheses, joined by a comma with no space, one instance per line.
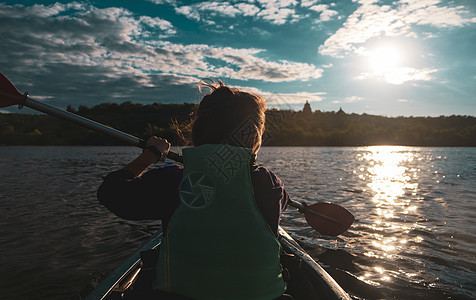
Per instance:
(414,236)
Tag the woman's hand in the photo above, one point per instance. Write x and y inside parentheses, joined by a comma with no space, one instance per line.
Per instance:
(156,149)
(159,146)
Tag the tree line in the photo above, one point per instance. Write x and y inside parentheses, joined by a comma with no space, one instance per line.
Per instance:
(283,127)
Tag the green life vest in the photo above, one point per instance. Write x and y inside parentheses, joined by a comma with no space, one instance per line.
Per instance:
(218,244)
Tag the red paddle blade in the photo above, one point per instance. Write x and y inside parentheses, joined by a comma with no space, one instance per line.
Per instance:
(328,218)
(9,95)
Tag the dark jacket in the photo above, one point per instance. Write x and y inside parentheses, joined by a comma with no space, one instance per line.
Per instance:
(155,194)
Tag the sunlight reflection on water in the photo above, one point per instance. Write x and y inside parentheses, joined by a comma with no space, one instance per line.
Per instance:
(414,230)
(389,177)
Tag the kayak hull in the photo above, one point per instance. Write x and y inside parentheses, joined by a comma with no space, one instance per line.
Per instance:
(306,279)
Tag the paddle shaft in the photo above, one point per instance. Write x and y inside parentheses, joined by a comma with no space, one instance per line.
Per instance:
(90,124)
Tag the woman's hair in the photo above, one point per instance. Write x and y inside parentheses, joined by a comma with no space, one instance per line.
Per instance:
(228,116)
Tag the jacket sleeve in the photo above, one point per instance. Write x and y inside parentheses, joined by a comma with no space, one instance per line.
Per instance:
(279,188)
(270,195)
(152,196)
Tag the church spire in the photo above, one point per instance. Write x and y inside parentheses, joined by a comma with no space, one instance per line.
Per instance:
(307,108)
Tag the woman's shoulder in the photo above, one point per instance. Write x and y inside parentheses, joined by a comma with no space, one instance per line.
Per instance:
(268,189)
(169,168)
(166,171)
(263,175)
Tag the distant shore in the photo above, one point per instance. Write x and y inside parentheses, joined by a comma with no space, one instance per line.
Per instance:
(283,127)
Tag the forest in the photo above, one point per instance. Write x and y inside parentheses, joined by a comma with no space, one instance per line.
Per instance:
(283,127)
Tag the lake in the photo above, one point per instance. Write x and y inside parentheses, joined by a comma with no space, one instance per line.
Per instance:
(414,236)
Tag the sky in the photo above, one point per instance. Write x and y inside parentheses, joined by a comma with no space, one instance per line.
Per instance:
(389,58)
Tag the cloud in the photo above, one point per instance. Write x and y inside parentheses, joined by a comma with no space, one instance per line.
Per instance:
(161,2)
(372,20)
(85,52)
(276,12)
(114,38)
(326,14)
(247,9)
(348,100)
(353,99)
(278,16)
(399,76)
(308,3)
(148,25)
(241,64)
(188,11)
(286,100)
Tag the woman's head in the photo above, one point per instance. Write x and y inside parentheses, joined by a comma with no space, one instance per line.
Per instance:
(230,116)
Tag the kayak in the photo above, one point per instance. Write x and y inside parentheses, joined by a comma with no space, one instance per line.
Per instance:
(306,279)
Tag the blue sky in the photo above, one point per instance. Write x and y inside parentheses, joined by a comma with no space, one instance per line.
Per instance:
(390,58)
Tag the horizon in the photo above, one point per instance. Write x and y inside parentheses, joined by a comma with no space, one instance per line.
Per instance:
(383,58)
(29,111)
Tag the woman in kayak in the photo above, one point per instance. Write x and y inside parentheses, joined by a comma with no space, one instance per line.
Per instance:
(220,213)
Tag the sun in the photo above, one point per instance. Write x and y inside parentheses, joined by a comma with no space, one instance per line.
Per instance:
(385,58)
(390,62)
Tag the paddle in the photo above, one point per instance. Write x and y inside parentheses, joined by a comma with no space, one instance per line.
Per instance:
(326,218)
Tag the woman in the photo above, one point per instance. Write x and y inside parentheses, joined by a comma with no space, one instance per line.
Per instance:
(220,213)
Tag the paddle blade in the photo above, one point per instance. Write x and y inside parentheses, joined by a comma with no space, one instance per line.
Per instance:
(9,95)
(328,218)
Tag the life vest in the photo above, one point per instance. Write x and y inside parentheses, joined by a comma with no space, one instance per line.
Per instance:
(218,244)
